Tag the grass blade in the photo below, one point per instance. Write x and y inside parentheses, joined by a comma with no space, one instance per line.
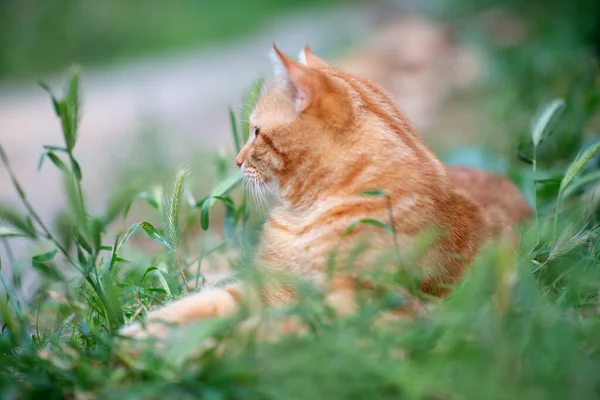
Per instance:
(371,222)
(542,125)
(70,115)
(375,192)
(129,233)
(234,130)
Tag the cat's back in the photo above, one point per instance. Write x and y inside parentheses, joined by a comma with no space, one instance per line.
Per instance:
(499,200)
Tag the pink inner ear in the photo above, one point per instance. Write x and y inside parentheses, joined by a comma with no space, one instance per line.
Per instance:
(302,100)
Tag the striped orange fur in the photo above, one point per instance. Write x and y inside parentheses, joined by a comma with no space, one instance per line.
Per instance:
(319,138)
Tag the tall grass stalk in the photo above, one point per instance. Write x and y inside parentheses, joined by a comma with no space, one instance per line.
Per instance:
(541,128)
(574,169)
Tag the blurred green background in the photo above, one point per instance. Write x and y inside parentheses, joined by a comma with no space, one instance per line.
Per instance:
(38,36)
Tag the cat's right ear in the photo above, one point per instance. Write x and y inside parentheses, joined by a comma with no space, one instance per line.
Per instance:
(310,59)
(304,82)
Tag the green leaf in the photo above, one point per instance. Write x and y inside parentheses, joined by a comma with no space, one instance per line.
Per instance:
(10,321)
(83,243)
(83,260)
(229,221)
(371,222)
(109,296)
(55,159)
(38,262)
(243,211)
(204,213)
(41,160)
(76,169)
(55,148)
(155,235)
(146,273)
(12,218)
(553,180)
(218,193)
(67,109)
(63,113)
(7,231)
(208,203)
(70,115)
(169,283)
(113,255)
(542,125)
(130,232)
(58,162)
(95,230)
(375,192)
(44,86)
(227,184)
(522,156)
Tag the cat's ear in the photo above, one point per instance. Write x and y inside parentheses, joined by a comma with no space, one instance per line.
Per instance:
(310,59)
(304,82)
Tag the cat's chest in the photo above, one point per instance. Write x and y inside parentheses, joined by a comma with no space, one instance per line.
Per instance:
(290,242)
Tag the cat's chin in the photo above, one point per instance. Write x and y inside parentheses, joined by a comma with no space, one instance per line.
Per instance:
(260,187)
(254,177)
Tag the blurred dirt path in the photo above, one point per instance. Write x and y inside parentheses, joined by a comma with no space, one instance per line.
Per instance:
(188,93)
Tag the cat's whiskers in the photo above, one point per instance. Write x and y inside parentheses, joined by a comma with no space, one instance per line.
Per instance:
(255,184)
(261,192)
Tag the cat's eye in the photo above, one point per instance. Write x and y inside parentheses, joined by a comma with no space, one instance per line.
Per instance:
(256,132)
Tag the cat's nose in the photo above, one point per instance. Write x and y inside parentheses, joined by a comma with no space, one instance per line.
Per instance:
(239,161)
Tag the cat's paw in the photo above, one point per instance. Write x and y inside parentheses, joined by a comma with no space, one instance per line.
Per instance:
(149,329)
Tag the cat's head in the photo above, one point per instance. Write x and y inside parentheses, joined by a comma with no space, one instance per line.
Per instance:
(299,119)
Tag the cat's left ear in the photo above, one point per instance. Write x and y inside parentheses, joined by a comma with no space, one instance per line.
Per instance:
(305,83)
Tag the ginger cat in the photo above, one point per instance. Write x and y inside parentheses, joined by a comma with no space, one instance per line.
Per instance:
(321,138)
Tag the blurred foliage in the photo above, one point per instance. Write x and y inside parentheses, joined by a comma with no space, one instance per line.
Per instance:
(524,325)
(39,36)
(539,50)
(535,52)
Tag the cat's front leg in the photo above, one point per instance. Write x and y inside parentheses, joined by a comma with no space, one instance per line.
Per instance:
(192,308)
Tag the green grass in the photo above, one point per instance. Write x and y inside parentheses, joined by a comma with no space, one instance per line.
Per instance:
(37,37)
(528,329)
